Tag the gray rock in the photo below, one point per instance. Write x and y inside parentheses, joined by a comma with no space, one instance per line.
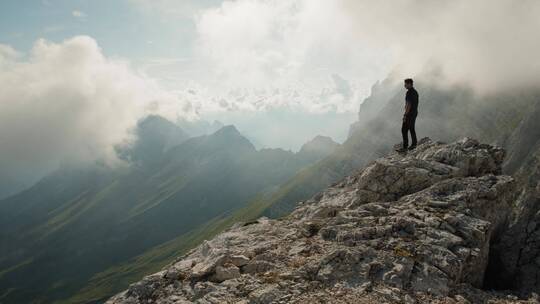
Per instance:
(415,228)
(266,295)
(238,260)
(257,266)
(226,272)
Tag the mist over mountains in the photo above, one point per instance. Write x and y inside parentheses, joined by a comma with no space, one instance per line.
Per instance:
(81,220)
(118,158)
(466,41)
(98,98)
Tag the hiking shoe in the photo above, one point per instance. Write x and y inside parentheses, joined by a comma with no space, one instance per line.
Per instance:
(401,150)
(412,147)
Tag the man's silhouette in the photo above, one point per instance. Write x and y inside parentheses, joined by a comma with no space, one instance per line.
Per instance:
(409,118)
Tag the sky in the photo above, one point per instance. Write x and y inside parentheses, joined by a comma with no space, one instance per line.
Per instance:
(76,75)
(220,59)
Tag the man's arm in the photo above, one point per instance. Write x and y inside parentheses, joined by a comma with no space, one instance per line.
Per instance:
(407,108)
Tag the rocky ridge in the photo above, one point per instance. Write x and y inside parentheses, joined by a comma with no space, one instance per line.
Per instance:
(413,228)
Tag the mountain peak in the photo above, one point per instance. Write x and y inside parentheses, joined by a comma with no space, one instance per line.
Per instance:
(155,135)
(153,118)
(320,144)
(405,229)
(228,130)
(231,137)
(156,125)
(318,148)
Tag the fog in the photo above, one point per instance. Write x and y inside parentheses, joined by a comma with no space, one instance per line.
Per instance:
(66,102)
(486,44)
(268,129)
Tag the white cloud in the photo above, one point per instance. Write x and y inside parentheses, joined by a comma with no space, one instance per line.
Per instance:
(7,54)
(263,54)
(78,14)
(68,102)
(289,51)
(490,45)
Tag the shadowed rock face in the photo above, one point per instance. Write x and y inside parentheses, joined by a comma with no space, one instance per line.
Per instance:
(515,254)
(516,251)
(410,228)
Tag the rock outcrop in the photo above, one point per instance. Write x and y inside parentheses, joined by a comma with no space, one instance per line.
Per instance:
(516,251)
(413,228)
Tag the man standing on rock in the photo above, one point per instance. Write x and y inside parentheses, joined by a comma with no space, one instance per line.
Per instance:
(409,118)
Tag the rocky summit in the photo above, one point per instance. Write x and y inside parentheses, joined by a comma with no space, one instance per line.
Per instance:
(414,228)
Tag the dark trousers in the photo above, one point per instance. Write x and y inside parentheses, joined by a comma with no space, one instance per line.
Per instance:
(408,125)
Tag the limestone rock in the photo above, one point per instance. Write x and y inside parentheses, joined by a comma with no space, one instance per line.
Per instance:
(415,228)
(226,272)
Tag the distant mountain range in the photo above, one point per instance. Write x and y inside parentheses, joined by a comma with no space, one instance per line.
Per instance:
(83,234)
(78,222)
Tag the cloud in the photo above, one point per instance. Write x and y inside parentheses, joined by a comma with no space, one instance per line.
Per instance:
(68,102)
(291,49)
(258,55)
(78,14)
(7,54)
(490,45)
(297,45)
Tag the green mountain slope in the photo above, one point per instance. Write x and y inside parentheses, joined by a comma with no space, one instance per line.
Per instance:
(104,284)
(78,222)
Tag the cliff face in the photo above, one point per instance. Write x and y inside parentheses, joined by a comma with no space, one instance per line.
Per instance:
(405,229)
(516,262)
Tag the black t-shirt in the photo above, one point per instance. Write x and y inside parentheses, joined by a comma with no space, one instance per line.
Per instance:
(412,98)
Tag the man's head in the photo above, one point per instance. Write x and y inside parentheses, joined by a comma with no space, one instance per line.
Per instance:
(408,83)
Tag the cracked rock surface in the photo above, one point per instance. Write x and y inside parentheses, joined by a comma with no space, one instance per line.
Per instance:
(412,228)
